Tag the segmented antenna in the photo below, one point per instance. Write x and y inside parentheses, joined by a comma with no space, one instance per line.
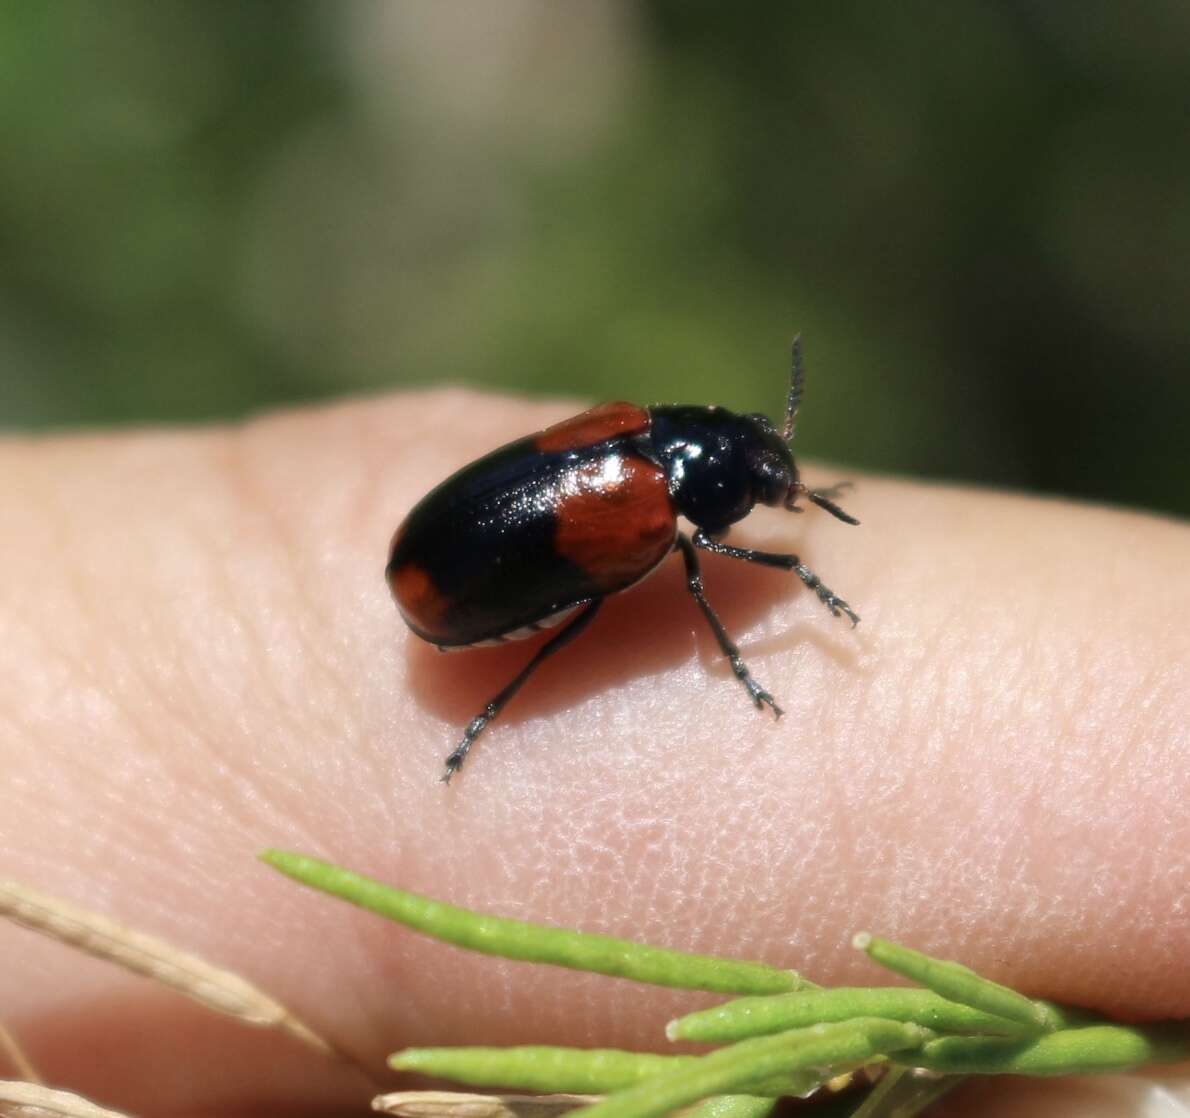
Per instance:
(824,502)
(797,377)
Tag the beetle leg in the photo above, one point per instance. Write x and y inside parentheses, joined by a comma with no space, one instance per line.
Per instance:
(694,584)
(560,639)
(785,562)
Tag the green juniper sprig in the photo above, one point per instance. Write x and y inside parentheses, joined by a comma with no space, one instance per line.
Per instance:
(516,939)
(960,984)
(749,1017)
(733,1069)
(555,1070)
(542,1068)
(733,1106)
(1095,1048)
(784,1037)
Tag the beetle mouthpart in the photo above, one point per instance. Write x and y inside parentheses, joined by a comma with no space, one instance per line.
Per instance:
(796,489)
(791,504)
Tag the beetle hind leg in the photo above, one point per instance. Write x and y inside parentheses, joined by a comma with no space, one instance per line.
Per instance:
(497,703)
(694,584)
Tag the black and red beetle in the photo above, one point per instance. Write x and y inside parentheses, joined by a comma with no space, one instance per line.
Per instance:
(543,529)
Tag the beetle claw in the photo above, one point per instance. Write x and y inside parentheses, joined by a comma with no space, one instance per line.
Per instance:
(762,699)
(844,608)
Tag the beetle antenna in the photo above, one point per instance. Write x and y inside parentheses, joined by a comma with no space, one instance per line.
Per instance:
(824,502)
(823,498)
(797,376)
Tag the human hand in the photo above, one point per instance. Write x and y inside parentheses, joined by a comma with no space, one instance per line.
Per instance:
(201,660)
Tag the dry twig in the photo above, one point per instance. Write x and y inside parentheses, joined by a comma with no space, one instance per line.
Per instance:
(459,1104)
(15,1054)
(146,955)
(32,1100)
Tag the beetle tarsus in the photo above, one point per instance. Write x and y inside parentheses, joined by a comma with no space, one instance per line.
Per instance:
(826,595)
(479,723)
(694,584)
(759,695)
(476,726)
(762,699)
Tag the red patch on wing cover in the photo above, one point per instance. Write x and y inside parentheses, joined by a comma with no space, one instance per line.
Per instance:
(604,422)
(615,519)
(420,600)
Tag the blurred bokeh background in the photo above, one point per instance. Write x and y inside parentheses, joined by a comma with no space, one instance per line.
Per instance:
(978,215)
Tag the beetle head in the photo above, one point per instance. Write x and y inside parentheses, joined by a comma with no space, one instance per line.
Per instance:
(770,463)
(770,467)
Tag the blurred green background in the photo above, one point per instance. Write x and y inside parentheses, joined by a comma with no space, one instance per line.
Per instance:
(976,213)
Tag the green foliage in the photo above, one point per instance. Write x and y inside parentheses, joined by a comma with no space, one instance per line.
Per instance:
(515,939)
(959,984)
(973,211)
(747,1017)
(785,1043)
(736,1068)
(580,1071)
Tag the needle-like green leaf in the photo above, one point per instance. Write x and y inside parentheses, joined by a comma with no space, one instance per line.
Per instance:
(517,939)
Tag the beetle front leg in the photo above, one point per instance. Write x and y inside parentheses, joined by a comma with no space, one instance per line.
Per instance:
(694,584)
(826,595)
(476,727)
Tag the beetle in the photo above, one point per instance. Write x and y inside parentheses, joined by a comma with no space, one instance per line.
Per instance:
(538,533)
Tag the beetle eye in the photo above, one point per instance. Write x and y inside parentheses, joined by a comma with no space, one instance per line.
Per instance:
(762,421)
(770,476)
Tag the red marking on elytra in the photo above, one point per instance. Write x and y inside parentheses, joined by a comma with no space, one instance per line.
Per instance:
(617,522)
(419,598)
(604,422)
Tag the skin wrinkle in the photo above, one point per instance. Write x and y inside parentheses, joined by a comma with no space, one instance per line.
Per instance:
(83,667)
(148,685)
(76,605)
(250,491)
(126,819)
(253,505)
(164,701)
(233,777)
(228,457)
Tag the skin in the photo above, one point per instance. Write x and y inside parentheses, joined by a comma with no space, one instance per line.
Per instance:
(200,659)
